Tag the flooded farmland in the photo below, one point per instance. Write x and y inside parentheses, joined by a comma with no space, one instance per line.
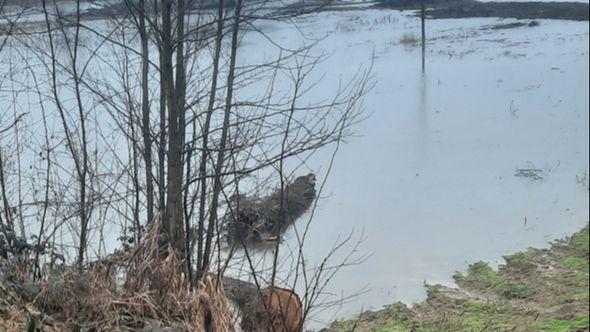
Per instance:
(482,154)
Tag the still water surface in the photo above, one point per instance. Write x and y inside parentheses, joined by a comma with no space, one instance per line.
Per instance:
(430,178)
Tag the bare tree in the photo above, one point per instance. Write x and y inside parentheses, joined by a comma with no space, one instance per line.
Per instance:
(168,77)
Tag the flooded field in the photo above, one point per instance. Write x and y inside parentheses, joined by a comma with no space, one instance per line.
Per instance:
(433,180)
(483,154)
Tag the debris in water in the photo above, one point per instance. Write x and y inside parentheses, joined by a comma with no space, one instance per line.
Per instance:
(529,173)
(254,220)
(510,25)
(513,110)
(583,180)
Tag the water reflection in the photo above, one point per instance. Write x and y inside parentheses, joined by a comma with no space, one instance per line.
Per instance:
(423,134)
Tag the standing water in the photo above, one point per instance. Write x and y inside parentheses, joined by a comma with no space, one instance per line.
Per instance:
(483,155)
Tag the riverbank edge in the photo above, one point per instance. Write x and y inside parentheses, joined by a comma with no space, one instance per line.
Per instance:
(448,9)
(535,290)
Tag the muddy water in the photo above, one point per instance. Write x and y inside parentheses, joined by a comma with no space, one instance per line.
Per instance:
(430,180)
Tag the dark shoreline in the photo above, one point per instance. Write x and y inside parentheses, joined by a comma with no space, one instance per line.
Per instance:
(435,9)
(439,9)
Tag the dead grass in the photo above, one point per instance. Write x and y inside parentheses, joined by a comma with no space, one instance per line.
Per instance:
(409,39)
(144,287)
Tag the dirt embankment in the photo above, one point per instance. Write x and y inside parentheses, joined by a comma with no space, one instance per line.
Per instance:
(536,290)
(471,8)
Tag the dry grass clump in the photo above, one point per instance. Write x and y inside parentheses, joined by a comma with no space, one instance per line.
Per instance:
(409,39)
(144,287)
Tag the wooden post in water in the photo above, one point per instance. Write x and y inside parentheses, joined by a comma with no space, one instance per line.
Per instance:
(423,20)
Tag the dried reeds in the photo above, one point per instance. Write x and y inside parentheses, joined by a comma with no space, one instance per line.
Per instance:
(144,287)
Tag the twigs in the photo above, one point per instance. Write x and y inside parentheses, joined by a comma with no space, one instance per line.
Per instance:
(155,149)
(139,287)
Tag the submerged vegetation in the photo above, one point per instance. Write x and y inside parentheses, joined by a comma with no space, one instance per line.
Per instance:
(536,290)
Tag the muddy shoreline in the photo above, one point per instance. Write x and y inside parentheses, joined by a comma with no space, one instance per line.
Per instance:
(439,9)
(435,9)
(536,290)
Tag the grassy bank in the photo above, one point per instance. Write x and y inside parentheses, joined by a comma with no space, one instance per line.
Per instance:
(536,290)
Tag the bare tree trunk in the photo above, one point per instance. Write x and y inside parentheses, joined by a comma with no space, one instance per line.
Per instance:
(162,147)
(180,104)
(133,141)
(146,133)
(83,169)
(173,220)
(222,144)
(7,208)
(162,137)
(205,142)
(188,210)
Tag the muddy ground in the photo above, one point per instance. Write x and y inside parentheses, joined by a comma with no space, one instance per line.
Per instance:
(536,290)
(470,8)
(435,9)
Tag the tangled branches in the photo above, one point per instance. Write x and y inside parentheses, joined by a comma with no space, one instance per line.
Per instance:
(258,220)
(134,289)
